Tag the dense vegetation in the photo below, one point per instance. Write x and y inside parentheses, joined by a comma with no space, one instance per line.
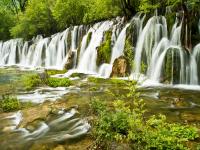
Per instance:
(31,81)
(123,122)
(27,18)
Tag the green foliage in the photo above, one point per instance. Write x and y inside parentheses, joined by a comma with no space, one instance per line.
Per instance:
(100,10)
(58,82)
(37,19)
(7,20)
(125,121)
(31,80)
(162,135)
(29,18)
(104,50)
(8,104)
(149,5)
(54,72)
(109,81)
(129,53)
(69,12)
(88,38)
(97,106)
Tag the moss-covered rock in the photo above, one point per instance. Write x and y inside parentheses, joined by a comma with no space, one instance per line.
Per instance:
(80,75)
(58,82)
(54,72)
(171,71)
(88,38)
(170,18)
(105,49)
(129,52)
(120,68)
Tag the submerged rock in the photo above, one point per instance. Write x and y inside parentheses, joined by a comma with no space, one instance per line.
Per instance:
(120,67)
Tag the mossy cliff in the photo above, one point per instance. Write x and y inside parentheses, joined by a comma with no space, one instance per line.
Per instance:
(105,49)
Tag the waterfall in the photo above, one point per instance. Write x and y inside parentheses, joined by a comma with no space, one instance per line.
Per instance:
(194,62)
(158,52)
(87,61)
(119,45)
(74,44)
(199,26)
(148,39)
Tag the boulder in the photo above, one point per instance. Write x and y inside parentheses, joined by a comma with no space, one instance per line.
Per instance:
(120,67)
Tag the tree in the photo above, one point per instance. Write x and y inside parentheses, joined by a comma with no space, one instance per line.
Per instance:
(37,19)
(7,20)
(98,10)
(128,7)
(69,12)
(15,6)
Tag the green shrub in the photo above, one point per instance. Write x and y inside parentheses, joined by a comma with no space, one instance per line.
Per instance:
(69,12)
(97,106)
(58,82)
(129,52)
(10,104)
(88,39)
(31,80)
(104,50)
(37,19)
(125,121)
(109,81)
(54,72)
(7,21)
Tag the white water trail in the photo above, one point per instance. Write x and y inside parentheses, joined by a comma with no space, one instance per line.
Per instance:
(39,49)
(119,45)
(194,65)
(87,62)
(146,35)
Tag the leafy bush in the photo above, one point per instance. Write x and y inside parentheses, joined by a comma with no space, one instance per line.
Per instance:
(10,104)
(111,81)
(100,10)
(58,82)
(97,106)
(53,72)
(37,19)
(6,22)
(30,81)
(69,12)
(125,121)
(104,50)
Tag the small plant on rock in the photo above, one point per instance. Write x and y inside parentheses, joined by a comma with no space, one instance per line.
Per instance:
(9,103)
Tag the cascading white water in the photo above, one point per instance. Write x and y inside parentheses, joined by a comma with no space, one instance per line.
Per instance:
(193,65)
(118,48)
(160,51)
(87,62)
(152,49)
(119,45)
(37,57)
(73,44)
(154,44)
(9,51)
(146,34)
(47,52)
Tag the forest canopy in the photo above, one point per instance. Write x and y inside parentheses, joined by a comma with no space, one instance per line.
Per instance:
(27,18)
